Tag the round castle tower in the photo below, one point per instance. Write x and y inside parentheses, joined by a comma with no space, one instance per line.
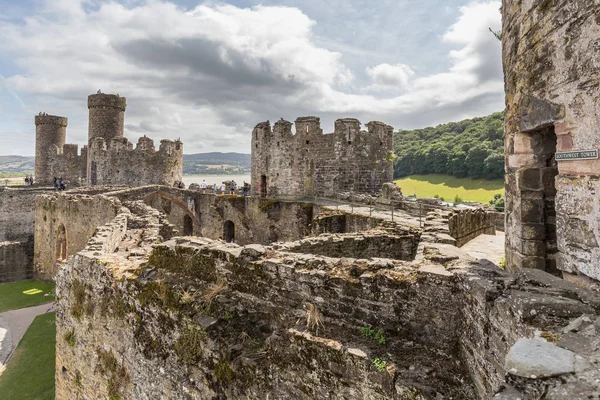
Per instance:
(50,131)
(107,114)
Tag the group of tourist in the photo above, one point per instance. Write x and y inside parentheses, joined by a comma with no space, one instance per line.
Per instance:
(29,180)
(59,184)
(223,187)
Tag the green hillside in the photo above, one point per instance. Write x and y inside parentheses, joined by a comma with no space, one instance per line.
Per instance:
(448,187)
(471,148)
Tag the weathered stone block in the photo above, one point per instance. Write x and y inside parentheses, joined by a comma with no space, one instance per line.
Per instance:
(537,114)
(531,248)
(530,179)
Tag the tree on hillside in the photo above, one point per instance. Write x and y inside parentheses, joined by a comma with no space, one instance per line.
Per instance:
(473,148)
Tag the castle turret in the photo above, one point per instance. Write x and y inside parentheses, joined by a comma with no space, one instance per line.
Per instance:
(50,137)
(308,126)
(107,113)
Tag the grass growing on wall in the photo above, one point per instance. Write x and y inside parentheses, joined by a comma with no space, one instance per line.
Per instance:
(448,187)
(29,374)
(24,294)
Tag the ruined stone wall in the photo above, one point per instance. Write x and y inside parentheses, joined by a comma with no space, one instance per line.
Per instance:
(465,224)
(71,218)
(16,263)
(116,162)
(204,319)
(17,218)
(552,67)
(309,163)
(375,243)
(67,164)
(254,220)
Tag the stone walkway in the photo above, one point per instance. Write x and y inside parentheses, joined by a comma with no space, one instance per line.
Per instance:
(13,325)
(487,247)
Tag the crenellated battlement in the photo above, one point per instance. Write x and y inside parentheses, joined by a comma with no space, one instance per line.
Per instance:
(104,100)
(116,161)
(308,162)
(44,119)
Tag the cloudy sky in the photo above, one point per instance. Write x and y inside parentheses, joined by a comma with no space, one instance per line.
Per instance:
(207,72)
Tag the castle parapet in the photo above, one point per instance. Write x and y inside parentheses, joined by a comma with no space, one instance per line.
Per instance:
(145,144)
(380,129)
(171,147)
(308,126)
(51,120)
(282,127)
(103,100)
(348,128)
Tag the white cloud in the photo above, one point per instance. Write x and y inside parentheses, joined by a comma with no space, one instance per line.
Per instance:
(208,75)
(397,75)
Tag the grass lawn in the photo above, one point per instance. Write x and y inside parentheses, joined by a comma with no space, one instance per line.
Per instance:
(29,374)
(24,294)
(446,186)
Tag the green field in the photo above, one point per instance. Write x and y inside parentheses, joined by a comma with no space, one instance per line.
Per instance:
(29,373)
(448,187)
(24,294)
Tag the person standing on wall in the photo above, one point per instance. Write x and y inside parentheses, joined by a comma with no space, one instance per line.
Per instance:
(223,187)
(203,186)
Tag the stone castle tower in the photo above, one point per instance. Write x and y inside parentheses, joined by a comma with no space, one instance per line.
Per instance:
(110,159)
(107,116)
(311,163)
(50,136)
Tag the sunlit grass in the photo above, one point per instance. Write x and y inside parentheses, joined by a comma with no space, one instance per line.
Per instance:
(29,374)
(25,294)
(448,187)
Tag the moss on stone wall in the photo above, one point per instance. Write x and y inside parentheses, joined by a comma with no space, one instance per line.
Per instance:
(189,345)
(118,377)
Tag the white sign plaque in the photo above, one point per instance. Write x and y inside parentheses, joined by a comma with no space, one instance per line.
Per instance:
(576,155)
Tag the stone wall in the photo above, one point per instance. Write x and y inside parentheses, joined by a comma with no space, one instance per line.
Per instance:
(70,221)
(552,66)
(203,319)
(309,163)
(17,219)
(116,162)
(375,243)
(254,220)
(461,225)
(465,225)
(16,263)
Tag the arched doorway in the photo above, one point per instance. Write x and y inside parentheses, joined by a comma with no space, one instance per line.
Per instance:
(229,231)
(61,242)
(188,226)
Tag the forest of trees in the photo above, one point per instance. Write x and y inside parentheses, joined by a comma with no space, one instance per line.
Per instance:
(470,148)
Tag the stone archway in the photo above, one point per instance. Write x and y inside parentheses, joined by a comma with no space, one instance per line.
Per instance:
(190,222)
(61,242)
(229,231)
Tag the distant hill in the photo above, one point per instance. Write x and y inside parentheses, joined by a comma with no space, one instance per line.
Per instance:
(201,163)
(16,165)
(216,163)
(217,158)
